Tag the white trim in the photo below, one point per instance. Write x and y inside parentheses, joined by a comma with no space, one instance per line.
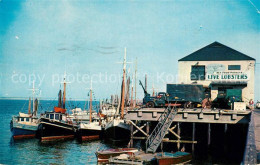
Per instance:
(56,125)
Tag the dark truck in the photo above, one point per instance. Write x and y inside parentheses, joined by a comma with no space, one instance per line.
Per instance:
(187,95)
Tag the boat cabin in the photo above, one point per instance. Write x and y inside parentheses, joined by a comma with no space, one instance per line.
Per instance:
(56,116)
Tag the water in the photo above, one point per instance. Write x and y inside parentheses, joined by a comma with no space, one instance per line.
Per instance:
(31,151)
(226,146)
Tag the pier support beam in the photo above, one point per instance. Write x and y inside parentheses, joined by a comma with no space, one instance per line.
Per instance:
(193,137)
(147,128)
(179,133)
(132,135)
(209,134)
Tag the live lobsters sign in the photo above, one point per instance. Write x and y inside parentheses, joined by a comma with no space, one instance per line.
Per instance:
(227,76)
(220,72)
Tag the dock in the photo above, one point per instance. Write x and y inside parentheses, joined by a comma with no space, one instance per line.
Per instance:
(252,149)
(169,123)
(197,115)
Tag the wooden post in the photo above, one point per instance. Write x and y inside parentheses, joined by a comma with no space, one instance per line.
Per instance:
(179,133)
(132,135)
(209,130)
(225,128)
(147,128)
(193,137)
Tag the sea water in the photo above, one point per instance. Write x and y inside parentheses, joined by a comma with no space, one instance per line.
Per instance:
(31,151)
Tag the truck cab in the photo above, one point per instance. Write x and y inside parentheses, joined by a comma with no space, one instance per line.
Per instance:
(155,101)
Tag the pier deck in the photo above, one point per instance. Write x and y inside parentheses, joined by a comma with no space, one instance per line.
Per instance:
(252,149)
(257,132)
(197,115)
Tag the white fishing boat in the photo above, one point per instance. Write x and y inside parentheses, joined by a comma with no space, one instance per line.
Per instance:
(93,129)
(26,125)
(79,115)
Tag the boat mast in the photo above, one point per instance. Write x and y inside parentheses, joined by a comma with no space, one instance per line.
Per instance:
(123,88)
(132,93)
(153,90)
(135,80)
(33,90)
(90,102)
(29,106)
(64,91)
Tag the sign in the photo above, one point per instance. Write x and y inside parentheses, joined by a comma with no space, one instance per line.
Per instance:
(218,72)
(240,76)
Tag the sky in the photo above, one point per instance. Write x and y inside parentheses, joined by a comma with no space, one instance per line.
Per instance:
(41,40)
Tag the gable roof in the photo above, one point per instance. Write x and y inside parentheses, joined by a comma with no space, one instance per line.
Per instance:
(216,52)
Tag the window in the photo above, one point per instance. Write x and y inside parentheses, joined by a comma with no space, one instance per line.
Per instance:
(51,116)
(57,116)
(27,119)
(234,67)
(47,115)
(22,119)
(197,72)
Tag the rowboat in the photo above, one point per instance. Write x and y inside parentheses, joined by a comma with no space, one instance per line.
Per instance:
(167,158)
(104,155)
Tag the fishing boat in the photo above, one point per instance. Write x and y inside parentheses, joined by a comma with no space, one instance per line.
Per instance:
(104,155)
(90,131)
(167,158)
(118,129)
(78,115)
(57,124)
(93,129)
(25,125)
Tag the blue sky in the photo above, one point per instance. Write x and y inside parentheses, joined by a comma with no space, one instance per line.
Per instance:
(47,38)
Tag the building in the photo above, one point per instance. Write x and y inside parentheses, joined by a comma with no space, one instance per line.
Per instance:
(219,67)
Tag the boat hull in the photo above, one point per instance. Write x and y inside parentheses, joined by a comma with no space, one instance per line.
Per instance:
(117,131)
(167,160)
(54,130)
(21,131)
(89,134)
(103,156)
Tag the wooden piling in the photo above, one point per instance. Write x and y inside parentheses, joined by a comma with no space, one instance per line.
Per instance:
(193,136)
(179,133)
(132,135)
(209,133)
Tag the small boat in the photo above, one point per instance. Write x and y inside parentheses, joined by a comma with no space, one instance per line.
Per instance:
(104,155)
(167,158)
(26,125)
(125,159)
